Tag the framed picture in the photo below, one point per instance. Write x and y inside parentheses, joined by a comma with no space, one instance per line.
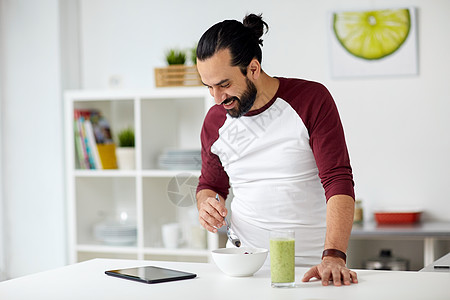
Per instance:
(373,43)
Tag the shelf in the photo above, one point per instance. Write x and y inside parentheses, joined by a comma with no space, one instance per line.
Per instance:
(169,173)
(420,230)
(133,173)
(164,118)
(105,173)
(176,252)
(99,248)
(160,93)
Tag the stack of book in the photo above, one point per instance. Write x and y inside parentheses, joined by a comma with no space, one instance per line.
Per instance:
(94,146)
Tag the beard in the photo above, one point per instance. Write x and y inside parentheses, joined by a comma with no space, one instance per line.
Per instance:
(245,102)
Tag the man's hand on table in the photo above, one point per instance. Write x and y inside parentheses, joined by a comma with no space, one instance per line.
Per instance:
(331,268)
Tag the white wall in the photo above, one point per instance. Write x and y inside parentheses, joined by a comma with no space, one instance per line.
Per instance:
(2,219)
(31,142)
(396,127)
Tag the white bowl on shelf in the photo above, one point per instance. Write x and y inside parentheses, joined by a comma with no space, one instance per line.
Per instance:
(239,262)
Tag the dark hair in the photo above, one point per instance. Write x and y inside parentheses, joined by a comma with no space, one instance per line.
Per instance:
(242,39)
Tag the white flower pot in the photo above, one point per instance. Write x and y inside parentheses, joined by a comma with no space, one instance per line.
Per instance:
(126,158)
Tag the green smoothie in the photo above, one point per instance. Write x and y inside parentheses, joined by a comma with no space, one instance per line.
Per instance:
(282,260)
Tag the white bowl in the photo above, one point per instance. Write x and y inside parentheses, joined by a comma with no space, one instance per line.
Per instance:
(239,262)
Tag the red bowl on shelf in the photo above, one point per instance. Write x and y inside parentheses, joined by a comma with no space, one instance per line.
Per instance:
(397,217)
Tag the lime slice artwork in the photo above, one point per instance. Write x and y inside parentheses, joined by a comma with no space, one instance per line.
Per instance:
(372,35)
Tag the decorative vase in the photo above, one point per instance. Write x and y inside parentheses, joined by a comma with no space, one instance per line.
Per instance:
(126,158)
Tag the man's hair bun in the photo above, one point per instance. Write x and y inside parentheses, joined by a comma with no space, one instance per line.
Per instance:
(257,25)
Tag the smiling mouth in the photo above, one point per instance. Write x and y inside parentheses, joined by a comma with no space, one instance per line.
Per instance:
(228,101)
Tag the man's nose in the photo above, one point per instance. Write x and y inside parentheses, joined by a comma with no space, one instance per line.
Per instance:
(219,96)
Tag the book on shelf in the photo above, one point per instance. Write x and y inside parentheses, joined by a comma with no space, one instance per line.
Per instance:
(81,156)
(94,146)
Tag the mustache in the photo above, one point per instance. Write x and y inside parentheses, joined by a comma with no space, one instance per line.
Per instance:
(229,100)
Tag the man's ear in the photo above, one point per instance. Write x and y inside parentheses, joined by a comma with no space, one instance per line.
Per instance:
(254,69)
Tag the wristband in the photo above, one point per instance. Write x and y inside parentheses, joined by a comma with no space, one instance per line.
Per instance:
(334,253)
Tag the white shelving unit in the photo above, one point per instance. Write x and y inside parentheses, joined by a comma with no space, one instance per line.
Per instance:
(162,118)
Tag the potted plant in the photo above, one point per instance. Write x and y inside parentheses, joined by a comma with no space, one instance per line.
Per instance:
(194,55)
(175,57)
(177,73)
(125,151)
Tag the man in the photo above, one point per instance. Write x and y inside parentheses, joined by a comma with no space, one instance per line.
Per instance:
(280,144)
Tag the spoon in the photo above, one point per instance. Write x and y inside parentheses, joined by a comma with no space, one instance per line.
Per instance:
(231,235)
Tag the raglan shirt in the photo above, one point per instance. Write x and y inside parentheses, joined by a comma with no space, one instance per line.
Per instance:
(283,162)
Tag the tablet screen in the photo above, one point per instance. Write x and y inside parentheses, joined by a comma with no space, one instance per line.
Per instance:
(151,274)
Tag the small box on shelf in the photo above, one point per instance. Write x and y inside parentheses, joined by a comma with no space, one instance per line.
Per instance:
(177,75)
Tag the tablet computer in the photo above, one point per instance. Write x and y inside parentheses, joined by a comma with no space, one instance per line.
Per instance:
(151,274)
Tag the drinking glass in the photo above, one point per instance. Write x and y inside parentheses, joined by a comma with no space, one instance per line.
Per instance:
(282,258)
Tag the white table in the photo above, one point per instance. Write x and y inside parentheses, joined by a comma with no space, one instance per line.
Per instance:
(87,280)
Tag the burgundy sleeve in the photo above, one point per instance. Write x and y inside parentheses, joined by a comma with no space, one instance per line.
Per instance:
(328,144)
(213,175)
(317,109)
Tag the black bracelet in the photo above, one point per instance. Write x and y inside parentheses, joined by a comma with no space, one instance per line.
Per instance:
(334,253)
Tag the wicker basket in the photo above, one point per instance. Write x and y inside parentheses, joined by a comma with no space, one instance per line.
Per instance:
(177,75)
